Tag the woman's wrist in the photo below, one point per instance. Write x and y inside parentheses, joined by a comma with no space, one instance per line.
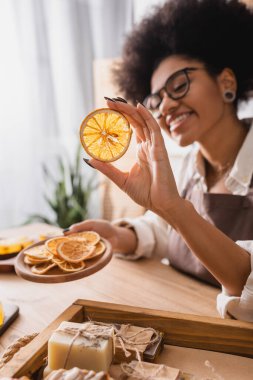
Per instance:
(177,213)
(126,240)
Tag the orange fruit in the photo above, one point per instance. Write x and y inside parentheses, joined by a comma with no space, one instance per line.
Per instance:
(70,267)
(51,244)
(74,251)
(99,250)
(37,252)
(90,237)
(32,261)
(42,268)
(57,260)
(105,134)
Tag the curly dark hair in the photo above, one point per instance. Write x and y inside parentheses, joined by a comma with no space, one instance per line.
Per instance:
(218,33)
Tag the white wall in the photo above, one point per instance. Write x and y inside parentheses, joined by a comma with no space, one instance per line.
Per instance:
(142,7)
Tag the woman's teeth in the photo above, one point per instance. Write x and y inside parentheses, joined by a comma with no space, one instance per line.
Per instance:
(174,124)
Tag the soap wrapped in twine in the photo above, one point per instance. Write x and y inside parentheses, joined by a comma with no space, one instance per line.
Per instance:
(138,338)
(89,331)
(94,330)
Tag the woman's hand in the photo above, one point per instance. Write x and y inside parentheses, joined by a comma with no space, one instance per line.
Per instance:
(150,182)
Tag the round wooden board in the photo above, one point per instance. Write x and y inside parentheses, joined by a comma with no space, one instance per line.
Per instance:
(56,274)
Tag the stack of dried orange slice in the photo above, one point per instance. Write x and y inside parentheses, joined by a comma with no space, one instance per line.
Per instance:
(69,253)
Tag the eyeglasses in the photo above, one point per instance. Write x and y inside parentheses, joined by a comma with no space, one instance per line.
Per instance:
(176,87)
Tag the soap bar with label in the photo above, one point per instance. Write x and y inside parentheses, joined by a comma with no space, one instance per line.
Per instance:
(84,345)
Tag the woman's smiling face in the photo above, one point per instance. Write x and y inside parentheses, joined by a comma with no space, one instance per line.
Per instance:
(193,116)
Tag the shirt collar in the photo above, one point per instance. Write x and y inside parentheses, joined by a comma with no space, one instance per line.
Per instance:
(239,178)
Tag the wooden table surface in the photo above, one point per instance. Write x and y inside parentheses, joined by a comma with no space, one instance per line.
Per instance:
(145,283)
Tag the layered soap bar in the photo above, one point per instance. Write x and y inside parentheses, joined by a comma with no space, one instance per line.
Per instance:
(84,345)
(77,373)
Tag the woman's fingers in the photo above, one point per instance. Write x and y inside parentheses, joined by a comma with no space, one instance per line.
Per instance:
(110,171)
(132,115)
(152,126)
(147,134)
(86,225)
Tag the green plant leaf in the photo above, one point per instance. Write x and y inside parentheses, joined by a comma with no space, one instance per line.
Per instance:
(39,218)
(68,206)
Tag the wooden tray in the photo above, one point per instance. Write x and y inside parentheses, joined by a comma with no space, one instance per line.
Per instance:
(56,274)
(205,333)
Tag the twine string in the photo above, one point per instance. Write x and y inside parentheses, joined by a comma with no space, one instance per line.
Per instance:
(139,372)
(15,347)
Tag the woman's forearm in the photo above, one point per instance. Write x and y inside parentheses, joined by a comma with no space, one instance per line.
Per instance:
(228,262)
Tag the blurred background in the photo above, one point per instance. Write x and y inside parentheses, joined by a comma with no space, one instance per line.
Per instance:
(54,69)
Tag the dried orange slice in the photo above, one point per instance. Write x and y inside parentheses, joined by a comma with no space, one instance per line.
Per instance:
(74,251)
(51,244)
(90,237)
(37,252)
(42,268)
(105,134)
(32,261)
(57,260)
(70,267)
(99,250)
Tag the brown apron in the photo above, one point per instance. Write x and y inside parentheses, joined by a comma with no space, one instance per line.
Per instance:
(232,214)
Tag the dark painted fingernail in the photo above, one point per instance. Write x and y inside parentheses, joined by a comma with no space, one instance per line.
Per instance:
(121,99)
(65,230)
(87,161)
(159,116)
(111,100)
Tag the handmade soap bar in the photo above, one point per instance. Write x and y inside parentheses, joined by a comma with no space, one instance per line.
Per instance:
(83,345)
(130,339)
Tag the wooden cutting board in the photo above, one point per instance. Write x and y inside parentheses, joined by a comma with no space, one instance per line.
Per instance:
(27,230)
(7,265)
